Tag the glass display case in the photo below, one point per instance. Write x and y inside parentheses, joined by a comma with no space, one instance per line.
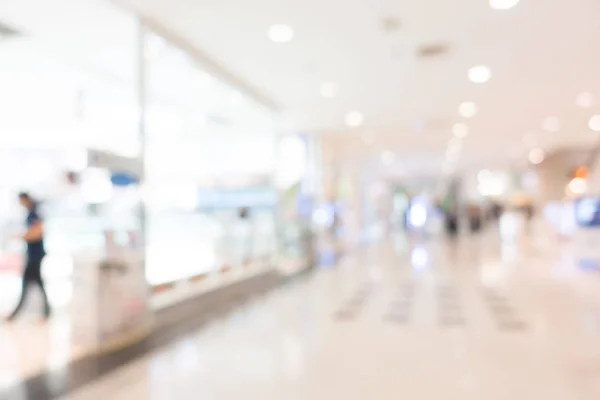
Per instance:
(210,151)
(207,150)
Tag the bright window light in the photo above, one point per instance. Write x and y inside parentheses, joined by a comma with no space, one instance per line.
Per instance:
(280,33)
(96,187)
(292,162)
(75,159)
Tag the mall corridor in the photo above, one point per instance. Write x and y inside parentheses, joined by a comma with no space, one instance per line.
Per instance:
(299,200)
(471,319)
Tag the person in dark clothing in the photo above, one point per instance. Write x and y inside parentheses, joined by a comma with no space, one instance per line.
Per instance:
(475,219)
(34,237)
(452,223)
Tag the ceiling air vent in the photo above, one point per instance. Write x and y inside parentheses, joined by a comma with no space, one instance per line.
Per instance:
(390,25)
(7,32)
(432,50)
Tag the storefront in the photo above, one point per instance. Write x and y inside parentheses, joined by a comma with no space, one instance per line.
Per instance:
(200,150)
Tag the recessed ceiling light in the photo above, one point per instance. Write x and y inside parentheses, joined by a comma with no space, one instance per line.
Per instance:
(577,186)
(585,100)
(503,4)
(467,109)
(551,124)
(388,157)
(328,89)
(594,123)
(280,33)
(354,119)
(537,156)
(479,74)
(460,130)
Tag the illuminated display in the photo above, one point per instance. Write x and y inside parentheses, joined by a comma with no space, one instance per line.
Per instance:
(198,135)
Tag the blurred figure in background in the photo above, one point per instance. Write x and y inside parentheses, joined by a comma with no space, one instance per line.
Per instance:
(34,238)
(475,215)
(244,216)
(496,211)
(529,212)
(452,221)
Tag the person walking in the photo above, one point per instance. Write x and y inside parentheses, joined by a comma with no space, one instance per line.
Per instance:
(34,238)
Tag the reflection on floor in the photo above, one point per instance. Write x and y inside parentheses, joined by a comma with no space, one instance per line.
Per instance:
(469,319)
(28,346)
(59,293)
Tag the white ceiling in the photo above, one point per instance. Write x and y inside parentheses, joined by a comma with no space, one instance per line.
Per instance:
(64,62)
(542,53)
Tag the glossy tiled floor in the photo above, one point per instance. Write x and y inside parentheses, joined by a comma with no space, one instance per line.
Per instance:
(27,346)
(467,320)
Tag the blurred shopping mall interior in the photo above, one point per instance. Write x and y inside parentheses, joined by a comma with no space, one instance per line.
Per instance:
(300,199)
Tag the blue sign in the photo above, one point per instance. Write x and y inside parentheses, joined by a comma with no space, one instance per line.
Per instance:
(123,179)
(587,212)
(589,264)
